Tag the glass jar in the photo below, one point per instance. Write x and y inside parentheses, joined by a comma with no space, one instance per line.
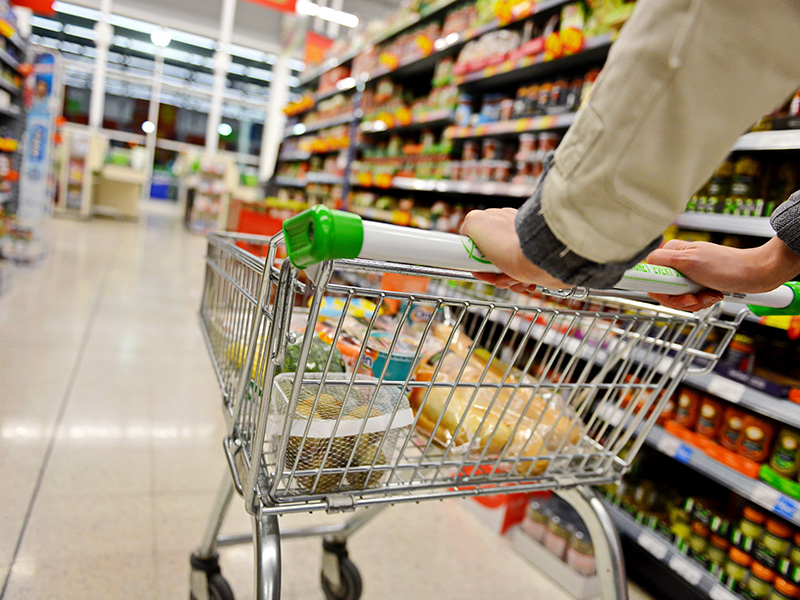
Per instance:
(717,553)
(752,522)
(759,584)
(784,590)
(557,537)
(698,541)
(777,537)
(737,568)
(536,523)
(580,554)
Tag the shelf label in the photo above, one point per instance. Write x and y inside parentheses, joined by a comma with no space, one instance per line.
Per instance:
(765,495)
(652,545)
(684,453)
(725,388)
(673,447)
(785,507)
(686,570)
(717,592)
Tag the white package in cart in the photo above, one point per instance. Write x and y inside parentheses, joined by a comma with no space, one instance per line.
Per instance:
(341,437)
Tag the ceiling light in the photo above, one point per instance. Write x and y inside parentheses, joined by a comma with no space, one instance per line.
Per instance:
(160,38)
(148,127)
(224,129)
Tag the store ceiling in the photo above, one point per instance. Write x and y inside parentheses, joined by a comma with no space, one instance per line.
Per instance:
(255,26)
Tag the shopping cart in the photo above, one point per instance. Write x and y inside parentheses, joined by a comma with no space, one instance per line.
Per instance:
(344,393)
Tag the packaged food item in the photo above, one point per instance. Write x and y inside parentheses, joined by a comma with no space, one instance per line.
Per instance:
(548,141)
(794,553)
(338,433)
(784,590)
(698,541)
(759,584)
(580,554)
(785,458)
(741,354)
(731,431)
(717,553)
(709,417)
(756,439)
(774,543)
(737,569)
(557,537)
(687,407)
(505,421)
(752,523)
(536,522)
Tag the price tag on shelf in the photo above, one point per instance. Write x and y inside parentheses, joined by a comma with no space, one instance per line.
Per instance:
(684,453)
(765,495)
(729,390)
(717,592)
(785,507)
(668,445)
(655,547)
(686,569)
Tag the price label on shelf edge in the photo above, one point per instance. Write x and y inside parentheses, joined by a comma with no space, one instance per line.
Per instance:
(652,545)
(686,570)
(729,390)
(717,592)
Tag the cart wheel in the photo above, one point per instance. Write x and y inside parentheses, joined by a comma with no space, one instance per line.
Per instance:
(205,572)
(349,586)
(218,589)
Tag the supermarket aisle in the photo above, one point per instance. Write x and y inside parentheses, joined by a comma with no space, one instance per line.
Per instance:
(110,441)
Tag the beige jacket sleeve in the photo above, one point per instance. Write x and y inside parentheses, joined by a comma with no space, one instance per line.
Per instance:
(682,82)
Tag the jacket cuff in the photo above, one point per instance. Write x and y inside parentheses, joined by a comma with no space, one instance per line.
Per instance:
(786,222)
(546,251)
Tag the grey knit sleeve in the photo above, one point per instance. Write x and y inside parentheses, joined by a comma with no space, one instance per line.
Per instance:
(546,251)
(786,222)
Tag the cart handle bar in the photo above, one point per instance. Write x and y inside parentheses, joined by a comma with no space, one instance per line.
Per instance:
(320,234)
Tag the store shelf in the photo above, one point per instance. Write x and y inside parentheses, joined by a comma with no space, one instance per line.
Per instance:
(755,226)
(325,178)
(663,550)
(788,139)
(513,127)
(431,11)
(290,182)
(8,86)
(533,67)
(294,156)
(6,58)
(783,410)
(477,188)
(435,118)
(388,216)
(342,86)
(300,129)
(751,489)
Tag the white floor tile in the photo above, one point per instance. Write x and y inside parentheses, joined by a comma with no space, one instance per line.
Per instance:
(12,517)
(89,525)
(123,576)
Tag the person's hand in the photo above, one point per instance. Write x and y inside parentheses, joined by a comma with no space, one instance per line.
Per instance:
(494,234)
(724,269)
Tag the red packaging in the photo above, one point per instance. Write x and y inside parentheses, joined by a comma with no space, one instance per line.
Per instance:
(687,407)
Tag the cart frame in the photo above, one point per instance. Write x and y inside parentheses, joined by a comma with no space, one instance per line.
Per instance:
(630,350)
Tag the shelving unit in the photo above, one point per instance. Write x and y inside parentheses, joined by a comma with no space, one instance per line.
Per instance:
(512,128)
(662,550)
(788,139)
(467,188)
(755,226)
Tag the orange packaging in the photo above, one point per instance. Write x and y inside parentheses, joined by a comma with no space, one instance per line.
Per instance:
(756,439)
(687,407)
(668,413)
(731,430)
(709,417)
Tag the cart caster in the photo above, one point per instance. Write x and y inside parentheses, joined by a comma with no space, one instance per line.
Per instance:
(207,582)
(340,577)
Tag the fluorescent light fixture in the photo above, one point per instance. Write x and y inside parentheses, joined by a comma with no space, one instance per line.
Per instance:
(81,32)
(160,38)
(75,10)
(299,129)
(148,127)
(49,24)
(224,129)
(326,13)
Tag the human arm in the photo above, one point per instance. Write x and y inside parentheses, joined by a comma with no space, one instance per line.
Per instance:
(682,82)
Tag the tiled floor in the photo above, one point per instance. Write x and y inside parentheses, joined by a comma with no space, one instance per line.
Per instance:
(110,434)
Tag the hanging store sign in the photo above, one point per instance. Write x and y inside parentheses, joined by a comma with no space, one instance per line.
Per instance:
(316,47)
